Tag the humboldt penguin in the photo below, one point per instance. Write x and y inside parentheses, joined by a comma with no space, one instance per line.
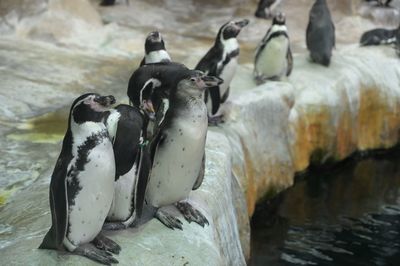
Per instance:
(221,61)
(383,3)
(82,183)
(273,55)
(379,36)
(127,128)
(177,150)
(155,51)
(320,33)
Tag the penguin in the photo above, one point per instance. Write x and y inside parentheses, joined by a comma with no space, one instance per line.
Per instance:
(265,8)
(273,55)
(320,33)
(82,183)
(397,44)
(382,3)
(378,36)
(111,2)
(155,51)
(107,2)
(126,126)
(221,61)
(177,150)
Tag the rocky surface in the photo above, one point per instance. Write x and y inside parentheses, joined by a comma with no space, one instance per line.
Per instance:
(271,131)
(318,115)
(151,243)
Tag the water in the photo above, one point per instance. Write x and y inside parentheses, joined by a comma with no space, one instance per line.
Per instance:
(347,217)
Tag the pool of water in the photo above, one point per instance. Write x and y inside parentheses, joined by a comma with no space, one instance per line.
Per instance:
(350,216)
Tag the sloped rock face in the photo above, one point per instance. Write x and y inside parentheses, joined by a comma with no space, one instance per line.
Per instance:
(151,243)
(319,115)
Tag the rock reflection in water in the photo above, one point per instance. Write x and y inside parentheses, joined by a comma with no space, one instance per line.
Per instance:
(349,217)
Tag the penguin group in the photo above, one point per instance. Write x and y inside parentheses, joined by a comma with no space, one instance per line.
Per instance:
(117,162)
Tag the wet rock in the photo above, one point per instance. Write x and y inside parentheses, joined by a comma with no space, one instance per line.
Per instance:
(149,244)
(321,114)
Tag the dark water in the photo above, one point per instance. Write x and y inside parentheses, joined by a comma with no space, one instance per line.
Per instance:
(349,216)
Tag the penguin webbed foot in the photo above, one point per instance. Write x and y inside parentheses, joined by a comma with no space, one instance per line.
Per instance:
(168,220)
(91,252)
(113,226)
(106,244)
(191,214)
(215,120)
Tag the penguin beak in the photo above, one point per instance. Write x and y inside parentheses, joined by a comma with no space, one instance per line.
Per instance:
(149,109)
(242,23)
(105,101)
(155,36)
(211,81)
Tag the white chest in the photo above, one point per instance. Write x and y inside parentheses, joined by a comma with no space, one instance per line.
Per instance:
(272,61)
(228,70)
(178,160)
(227,75)
(121,208)
(157,56)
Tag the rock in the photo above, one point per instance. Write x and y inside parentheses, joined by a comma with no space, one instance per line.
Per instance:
(272,132)
(322,114)
(149,244)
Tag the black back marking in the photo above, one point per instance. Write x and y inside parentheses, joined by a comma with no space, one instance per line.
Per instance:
(81,160)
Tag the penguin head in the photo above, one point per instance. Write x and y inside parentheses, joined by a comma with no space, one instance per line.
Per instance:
(279,19)
(90,107)
(231,29)
(195,82)
(154,42)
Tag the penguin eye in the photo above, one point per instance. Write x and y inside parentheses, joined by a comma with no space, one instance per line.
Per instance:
(192,79)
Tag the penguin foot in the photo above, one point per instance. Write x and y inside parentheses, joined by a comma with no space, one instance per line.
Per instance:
(113,226)
(168,220)
(106,244)
(215,120)
(191,214)
(100,256)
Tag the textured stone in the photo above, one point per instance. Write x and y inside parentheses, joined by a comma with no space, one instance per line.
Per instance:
(151,243)
(320,114)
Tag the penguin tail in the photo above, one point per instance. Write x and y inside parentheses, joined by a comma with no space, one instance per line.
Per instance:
(49,241)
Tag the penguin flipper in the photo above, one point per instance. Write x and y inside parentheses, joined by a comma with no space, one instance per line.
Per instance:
(333,34)
(308,34)
(208,64)
(58,199)
(126,149)
(143,178)
(159,137)
(142,62)
(225,95)
(289,59)
(200,177)
(215,96)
